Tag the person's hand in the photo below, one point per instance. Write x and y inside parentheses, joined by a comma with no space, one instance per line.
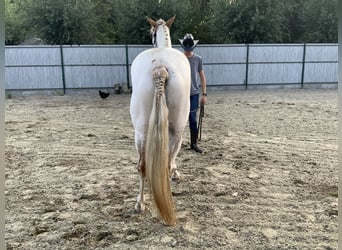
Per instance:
(203,100)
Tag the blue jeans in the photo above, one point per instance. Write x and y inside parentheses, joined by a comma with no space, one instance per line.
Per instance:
(194,100)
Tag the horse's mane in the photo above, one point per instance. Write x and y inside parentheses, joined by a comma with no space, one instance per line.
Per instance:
(159,22)
(153,31)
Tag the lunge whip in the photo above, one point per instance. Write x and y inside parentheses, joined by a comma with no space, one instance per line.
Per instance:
(200,122)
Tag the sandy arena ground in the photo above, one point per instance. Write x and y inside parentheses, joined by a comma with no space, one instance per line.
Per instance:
(267,178)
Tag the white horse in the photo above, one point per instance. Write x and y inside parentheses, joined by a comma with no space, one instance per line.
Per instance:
(159,108)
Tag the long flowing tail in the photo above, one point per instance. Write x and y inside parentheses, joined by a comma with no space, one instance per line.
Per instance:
(157,150)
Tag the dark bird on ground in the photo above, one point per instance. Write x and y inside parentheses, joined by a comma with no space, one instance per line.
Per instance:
(103,94)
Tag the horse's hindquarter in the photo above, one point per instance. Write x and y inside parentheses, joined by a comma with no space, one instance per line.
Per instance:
(177,86)
(142,90)
(178,90)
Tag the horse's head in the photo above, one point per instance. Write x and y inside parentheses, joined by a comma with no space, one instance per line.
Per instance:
(160,32)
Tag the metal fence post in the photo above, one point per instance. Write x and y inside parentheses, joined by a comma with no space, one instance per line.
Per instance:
(247,64)
(62,65)
(127,67)
(303,66)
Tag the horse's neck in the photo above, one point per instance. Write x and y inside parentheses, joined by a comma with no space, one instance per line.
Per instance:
(163,39)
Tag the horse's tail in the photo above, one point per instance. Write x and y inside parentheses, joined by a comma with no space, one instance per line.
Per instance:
(157,150)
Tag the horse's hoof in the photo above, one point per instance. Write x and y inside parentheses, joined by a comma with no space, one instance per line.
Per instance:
(139,207)
(176,177)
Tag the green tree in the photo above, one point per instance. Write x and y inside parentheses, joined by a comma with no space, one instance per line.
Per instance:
(132,27)
(104,12)
(15,28)
(308,21)
(320,21)
(244,21)
(210,21)
(195,20)
(62,21)
(293,20)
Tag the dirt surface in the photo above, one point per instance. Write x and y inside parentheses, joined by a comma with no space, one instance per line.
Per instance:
(267,178)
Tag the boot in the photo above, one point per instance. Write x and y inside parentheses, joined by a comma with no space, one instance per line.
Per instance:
(193,138)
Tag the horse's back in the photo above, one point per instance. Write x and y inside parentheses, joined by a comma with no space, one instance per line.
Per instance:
(175,62)
(177,86)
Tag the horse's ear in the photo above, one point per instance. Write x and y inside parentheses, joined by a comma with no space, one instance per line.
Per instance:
(151,21)
(170,21)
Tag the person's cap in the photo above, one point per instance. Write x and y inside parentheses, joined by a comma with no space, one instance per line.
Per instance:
(188,43)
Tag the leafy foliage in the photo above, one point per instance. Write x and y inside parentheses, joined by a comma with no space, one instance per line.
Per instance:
(320,18)
(210,21)
(246,21)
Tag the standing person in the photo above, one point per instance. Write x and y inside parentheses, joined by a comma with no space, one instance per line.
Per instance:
(188,44)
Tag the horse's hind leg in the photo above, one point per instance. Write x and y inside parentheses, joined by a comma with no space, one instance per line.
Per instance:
(175,144)
(140,205)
